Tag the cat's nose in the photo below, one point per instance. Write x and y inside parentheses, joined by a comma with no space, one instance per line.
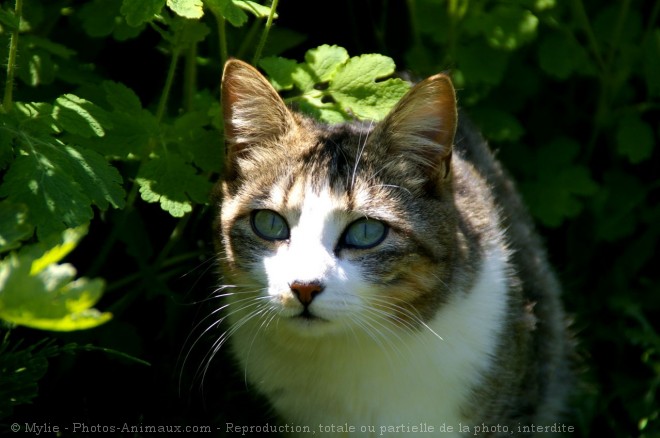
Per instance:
(306,291)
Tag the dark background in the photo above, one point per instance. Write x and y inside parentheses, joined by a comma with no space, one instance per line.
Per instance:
(603,249)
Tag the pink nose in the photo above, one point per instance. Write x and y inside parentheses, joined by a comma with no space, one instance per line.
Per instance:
(305,292)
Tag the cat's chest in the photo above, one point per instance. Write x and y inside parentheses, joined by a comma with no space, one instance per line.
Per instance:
(392,395)
(387,378)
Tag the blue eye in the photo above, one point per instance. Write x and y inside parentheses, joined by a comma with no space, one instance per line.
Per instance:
(365,234)
(269,225)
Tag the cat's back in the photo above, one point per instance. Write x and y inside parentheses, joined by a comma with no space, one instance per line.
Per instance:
(547,368)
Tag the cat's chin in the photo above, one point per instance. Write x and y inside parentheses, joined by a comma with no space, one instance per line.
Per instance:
(306,325)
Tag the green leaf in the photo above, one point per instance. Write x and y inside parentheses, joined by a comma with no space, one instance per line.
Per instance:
(49,46)
(479,63)
(358,86)
(138,12)
(497,125)
(80,116)
(615,205)
(98,17)
(280,71)
(325,60)
(13,225)
(167,179)
(561,56)
(281,39)
(183,33)
(335,87)
(53,248)
(229,10)
(508,27)
(101,18)
(122,98)
(101,182)
(58,182)
(558,187)
(9,19)
(41,61)
(44,295)
(35,67)
(6,145)
(55,201)
(197,144)
(187,8)
(634,138)
(22,369)
(132,127)
(256,9)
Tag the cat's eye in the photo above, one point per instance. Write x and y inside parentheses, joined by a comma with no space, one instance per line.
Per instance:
(364,234)
(269,225)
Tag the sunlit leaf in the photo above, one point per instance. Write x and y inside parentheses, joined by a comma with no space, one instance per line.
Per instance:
(41,294)
(168,180)
(80,116)
(228,10)
(334,87)
(187,8)
(360,88)
(325,60)
(59,182)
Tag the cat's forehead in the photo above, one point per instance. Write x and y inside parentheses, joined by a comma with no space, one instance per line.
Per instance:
(307,195)
(317,158)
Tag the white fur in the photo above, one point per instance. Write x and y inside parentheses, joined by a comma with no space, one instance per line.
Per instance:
(356,368)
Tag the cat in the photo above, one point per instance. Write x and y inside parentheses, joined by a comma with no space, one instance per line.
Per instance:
(384,278)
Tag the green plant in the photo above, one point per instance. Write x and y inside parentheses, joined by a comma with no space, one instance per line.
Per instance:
(106,167)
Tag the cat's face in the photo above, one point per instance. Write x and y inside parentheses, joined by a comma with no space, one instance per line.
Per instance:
(343,229)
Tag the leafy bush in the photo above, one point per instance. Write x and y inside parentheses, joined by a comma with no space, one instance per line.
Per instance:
(106,164)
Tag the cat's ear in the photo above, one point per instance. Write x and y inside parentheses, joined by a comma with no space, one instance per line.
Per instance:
(253,112)
(422,125)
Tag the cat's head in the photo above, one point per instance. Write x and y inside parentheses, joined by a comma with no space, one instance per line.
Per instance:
(331,229)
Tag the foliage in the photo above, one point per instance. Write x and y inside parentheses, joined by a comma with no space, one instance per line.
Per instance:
(37,292)
(335,88)
(106,167)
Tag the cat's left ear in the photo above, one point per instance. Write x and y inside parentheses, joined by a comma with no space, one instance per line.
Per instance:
(254,114)
(422,125)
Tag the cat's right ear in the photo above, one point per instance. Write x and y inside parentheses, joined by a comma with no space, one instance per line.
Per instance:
(254,113)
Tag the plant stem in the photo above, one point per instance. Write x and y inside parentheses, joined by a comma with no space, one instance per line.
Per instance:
(583,19)
(136,276)
(264,35)
(623,13)
(249,38)
(11,61)
(174,238)
(222,38)
(110,241)
(190,77)
(653,16)
(162,105)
